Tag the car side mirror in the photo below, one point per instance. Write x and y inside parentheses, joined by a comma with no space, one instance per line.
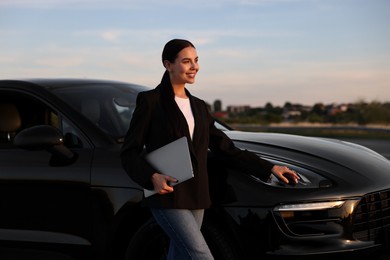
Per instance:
(45,137)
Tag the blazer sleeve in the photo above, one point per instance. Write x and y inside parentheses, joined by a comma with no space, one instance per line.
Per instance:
(132,149)
(244,160)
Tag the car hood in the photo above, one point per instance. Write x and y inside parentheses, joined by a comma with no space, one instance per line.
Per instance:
(316,145)
(360,164)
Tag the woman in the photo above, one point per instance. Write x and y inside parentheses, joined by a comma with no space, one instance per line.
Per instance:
(163,115)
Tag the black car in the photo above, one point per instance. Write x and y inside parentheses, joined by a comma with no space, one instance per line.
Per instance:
(64,194)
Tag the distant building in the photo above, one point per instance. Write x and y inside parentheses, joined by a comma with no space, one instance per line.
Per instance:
(217,105)
(221,114)
(335,109)
(238,109)
(291,114)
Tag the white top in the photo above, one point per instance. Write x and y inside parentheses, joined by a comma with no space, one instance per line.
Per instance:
(185,107)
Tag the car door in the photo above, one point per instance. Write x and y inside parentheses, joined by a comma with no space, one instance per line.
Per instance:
(44,208)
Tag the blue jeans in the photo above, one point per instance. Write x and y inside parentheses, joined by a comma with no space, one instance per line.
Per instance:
(183,228)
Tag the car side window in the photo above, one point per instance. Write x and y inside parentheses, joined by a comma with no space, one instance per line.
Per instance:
(19,111)
(125,112)
(71,137)
(10,122)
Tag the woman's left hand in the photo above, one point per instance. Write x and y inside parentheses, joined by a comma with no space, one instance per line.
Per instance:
(285,174)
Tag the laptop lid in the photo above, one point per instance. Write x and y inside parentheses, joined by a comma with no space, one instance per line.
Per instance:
(173,160)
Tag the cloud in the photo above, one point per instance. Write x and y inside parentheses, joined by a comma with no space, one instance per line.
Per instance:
(112,35)
(71,4)
(132,4)
(262,2)
(61,62)
(8,59)
(43,3)
(86,4)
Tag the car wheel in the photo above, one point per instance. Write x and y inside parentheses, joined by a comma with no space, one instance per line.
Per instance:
(219,241)
(148,243)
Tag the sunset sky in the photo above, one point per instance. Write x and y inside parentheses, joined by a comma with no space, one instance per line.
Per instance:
(250,51)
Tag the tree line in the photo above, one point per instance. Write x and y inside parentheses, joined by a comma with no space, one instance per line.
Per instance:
(360,112)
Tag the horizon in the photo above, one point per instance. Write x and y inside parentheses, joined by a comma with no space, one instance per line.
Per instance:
(296,103)
(251,52)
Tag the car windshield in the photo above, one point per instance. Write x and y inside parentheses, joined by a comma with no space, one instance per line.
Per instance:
(109,106)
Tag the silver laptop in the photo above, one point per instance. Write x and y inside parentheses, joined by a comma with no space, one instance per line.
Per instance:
(173,160)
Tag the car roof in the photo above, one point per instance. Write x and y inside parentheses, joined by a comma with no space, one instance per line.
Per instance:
(61,82)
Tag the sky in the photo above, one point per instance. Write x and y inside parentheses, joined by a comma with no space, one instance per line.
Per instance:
(251,52)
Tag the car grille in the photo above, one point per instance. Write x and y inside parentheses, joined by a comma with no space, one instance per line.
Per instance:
(371,219)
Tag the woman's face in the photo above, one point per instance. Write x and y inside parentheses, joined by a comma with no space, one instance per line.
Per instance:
(185,67)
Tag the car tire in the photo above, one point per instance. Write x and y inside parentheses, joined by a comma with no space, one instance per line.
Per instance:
(220,243)
(148,243)
(151,243)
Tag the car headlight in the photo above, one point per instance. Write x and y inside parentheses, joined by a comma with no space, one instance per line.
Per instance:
(310,206)
(310,218)
(315,218)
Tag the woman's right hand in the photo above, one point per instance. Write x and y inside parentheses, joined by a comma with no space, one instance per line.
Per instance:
(161,183)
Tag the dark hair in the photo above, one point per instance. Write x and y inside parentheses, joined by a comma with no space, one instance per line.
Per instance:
(173,47)
(170,52)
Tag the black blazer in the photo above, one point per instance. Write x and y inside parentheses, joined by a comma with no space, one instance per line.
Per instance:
(151,128)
